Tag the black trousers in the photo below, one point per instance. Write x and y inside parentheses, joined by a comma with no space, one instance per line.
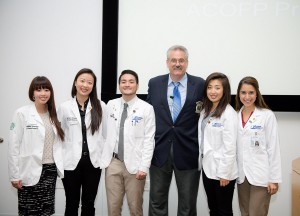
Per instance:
(219,198)
(187,182)
(85,179)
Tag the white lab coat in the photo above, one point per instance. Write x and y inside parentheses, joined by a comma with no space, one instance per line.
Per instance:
(69,116)
(219,145)
(258,149)
(139,130)
(26,146)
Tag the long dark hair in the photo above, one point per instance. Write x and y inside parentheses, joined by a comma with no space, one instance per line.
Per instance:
(259,102)
(41,82)
(225,100)
(96,112)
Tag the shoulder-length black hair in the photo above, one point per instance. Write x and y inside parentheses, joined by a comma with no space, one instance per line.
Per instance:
(41,82)
(225,100)
(96,112)
(259,102)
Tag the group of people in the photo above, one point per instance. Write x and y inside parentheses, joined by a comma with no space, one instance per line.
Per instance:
(131,138)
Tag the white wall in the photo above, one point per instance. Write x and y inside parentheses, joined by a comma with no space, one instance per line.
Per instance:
(57,38)
(54,38)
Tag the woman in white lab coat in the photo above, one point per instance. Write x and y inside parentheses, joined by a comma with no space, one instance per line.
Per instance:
(217,130)
(82,119)
(259,160)
(35,153)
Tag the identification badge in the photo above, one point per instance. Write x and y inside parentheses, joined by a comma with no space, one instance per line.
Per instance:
(72,121)
(255,140)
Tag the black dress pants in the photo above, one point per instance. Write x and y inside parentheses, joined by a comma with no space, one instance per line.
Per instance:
(219,198)
(85,180)
(187,182)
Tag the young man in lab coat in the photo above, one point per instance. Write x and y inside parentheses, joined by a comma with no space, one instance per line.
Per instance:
(129,147)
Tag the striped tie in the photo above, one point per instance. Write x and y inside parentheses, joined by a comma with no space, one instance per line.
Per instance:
(176,101)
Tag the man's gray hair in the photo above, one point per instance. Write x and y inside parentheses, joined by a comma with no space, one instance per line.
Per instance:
(178,47)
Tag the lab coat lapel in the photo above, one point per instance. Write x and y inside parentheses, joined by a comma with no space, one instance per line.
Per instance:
(115,112)
(133,110)
(36,115)
(75,111)
(250,121)
(88,117)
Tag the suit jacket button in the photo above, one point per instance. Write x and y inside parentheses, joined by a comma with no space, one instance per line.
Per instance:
(173,126)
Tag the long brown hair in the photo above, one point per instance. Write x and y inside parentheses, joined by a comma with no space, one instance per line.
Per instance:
(224,101)
(41,82)
(96,112)
(259,102)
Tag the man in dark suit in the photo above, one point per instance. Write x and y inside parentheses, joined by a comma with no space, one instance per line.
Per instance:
(176,138)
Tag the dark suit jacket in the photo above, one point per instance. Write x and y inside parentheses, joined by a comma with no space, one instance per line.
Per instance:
(184,132)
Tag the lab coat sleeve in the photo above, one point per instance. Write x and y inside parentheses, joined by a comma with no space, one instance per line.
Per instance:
(148,144)
(228,152)
(272,143)
(15,140)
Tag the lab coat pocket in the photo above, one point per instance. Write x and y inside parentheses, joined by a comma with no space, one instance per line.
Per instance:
(215,162)
(33,131)
(216,130)
(31,125)
(25,169)
(258,143)
(72,121)
(67,154)
(137,126)
(217,155)
(137,148)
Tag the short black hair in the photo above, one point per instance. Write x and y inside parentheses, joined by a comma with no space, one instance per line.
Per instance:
(131,72)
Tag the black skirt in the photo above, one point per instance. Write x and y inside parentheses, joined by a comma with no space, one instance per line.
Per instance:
(40,198)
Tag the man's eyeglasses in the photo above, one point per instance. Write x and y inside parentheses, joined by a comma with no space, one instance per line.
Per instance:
(180,61)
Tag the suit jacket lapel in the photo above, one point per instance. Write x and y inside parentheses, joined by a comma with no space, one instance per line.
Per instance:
(189,92)
(189,95)
(164,93)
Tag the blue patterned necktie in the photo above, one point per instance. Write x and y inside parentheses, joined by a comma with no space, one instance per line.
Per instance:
(176,101)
